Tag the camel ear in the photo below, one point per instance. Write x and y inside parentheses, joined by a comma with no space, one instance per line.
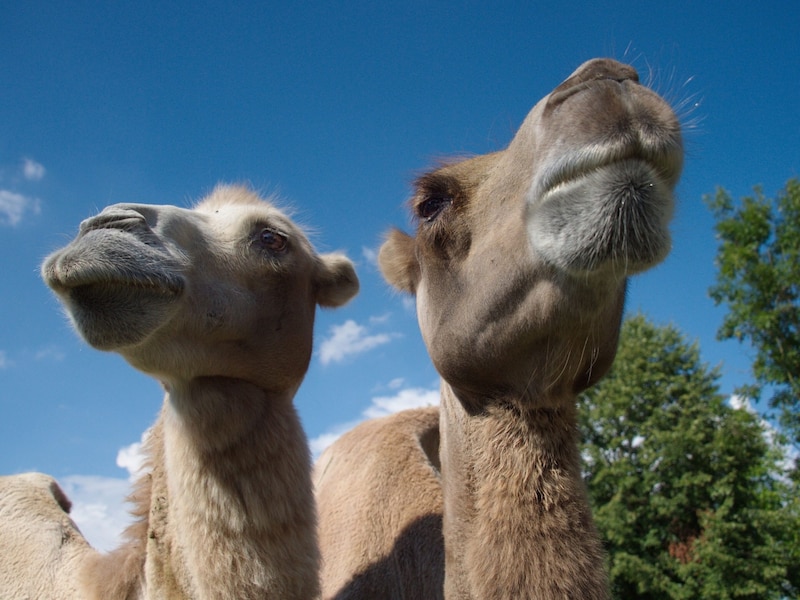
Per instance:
(336,280)
(397,260)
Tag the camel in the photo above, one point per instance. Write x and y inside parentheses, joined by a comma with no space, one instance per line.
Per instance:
(519,265)
(217,303)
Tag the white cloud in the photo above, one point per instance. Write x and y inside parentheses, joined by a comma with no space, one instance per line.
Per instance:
(380,319)
(409,303)
(131,458)
(370,255)
(380,406)
(404,399)
(322,441)
(4,362)
(99,504)
(50,353)
(741,403)
(99,508)
(348,339)
(13,206)
(771,434)
(32,170)
(396,383)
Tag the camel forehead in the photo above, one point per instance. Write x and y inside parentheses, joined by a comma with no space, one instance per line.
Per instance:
(230,210)
(230,195)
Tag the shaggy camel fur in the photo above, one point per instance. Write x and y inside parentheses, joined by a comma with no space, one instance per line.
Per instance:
(218,304)
(41,548)
(519,267)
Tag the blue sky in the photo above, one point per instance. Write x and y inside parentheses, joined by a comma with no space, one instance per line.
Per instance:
(335,107)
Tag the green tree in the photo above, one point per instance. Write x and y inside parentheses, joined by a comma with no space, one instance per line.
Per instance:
(759,281)
(682,485)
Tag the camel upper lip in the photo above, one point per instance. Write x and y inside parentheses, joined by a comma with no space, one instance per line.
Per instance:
(157,282)
(111,257)
(665,162)
(123,266)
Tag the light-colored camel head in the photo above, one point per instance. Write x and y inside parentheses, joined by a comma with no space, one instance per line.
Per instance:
(520,258)
(227,289)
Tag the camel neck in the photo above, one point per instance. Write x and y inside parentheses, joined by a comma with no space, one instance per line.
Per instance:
(214,414)
(517,522)
(238,494)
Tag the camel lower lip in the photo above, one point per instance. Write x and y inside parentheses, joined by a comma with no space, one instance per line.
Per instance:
(120,291)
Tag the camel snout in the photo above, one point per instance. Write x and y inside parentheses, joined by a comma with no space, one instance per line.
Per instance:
(598,69)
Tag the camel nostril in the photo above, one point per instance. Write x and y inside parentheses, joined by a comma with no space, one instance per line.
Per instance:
(597,69)
(602,68)
(125,219)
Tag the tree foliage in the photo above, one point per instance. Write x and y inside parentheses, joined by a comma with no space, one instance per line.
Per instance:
(758,279)
(683,486)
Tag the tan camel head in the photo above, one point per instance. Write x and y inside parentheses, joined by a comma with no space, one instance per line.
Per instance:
(228,288)
(520,258)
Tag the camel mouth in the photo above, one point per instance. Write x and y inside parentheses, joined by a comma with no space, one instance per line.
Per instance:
(165,288)
(606,214)
(103,260)
(663,166)
(88,282)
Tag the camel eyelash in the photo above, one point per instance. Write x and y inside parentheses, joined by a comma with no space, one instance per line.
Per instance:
(431,207)
(435,193)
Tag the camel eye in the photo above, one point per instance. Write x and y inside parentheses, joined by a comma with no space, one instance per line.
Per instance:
(273,241)
(429,209)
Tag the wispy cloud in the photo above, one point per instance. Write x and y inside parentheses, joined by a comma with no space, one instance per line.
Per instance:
(410,303)
(99,504)
(380,319)
(349,339)
(131,457)
(771,434)
(99,508)
(14,206)
(404,399)
(47,353)
(396,383)
(370,255)
(52,352)
(32,170)
(322,441)
(380,406)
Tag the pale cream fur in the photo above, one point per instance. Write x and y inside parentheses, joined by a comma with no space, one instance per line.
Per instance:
(519,267)
(218,304)
(41,548)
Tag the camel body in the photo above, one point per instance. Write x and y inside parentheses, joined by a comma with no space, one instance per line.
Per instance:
(519,266)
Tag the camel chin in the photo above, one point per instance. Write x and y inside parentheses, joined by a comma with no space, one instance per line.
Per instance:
(94,312)
(628,198)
